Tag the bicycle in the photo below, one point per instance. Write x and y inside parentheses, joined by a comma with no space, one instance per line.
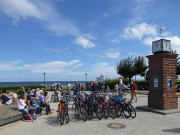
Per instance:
(62,113)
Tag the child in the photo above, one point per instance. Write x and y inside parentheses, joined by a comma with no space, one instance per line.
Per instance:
(37,106)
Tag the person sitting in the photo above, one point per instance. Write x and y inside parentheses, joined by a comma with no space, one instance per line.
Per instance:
(43,103)
(6,99)
(37,106)
(22,107)
(30,103)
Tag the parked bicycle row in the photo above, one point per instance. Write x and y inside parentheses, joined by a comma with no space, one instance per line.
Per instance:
(101,105)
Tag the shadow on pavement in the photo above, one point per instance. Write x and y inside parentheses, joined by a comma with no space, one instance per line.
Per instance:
(53,121)
(174,130)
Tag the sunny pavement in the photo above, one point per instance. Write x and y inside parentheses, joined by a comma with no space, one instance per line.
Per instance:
(145,123)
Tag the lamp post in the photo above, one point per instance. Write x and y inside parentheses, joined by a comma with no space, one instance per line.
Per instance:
(44,77)
(86,80)
(86,77)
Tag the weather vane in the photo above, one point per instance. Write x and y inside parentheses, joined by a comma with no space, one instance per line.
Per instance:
(162,28)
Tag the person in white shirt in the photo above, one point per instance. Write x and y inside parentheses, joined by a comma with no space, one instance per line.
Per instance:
(37,93)
(120,80)
(22,107)
(69,86)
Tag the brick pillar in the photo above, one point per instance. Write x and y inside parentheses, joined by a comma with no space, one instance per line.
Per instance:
(162,66)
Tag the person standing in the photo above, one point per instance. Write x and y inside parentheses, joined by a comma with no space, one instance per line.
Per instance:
(120,80)
(22,91)
(121,85)
(94,86)
(116,87)
(134,91)
(82,86)
(37,93)
(77,89)
(69,86)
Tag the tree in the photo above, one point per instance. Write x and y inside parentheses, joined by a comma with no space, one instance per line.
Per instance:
(130,67)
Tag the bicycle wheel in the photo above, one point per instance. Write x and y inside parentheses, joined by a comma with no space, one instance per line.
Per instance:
(60,119)
(119,109)
(126,111)
(73,106)
(99,112)
(77,111)
(105,111)
(112,111)
(133,111)
(66,118)
(90,115)
(83,113)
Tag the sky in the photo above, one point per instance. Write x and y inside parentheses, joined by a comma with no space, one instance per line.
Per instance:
(68,38)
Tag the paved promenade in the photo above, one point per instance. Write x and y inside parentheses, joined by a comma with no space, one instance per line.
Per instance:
(146,123)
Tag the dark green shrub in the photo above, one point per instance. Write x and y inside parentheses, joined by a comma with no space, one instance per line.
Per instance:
(17,89)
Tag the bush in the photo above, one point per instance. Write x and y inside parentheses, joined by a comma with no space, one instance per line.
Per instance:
(17,89)
(111,83)
(177,81)
(142,85)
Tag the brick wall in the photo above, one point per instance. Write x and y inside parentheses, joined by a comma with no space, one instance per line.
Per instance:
(162,66)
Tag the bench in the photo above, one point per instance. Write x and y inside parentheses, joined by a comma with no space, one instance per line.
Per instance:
(9,113)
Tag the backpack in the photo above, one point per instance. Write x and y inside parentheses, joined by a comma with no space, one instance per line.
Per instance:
(35,117)
(27,118)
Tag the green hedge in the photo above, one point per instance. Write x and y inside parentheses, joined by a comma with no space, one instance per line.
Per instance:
(177,81)
(17,89)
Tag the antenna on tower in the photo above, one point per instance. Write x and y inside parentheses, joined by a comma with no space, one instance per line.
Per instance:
(162,28)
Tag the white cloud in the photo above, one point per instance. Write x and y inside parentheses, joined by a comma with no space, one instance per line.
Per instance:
(89,36)
(21,9)
(86,43)
(56,50)
(139,31)
(52,50)
(78,65)
(113,54)
(48,67)
(131,53)
(42,10)
(16,62)
(103,68)
(95,55)
(115,40)
(148,41)
(9,67)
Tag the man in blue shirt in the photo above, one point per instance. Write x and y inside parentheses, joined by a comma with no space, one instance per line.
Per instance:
(43,103)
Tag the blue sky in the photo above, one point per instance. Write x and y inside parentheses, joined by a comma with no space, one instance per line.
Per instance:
(68,38)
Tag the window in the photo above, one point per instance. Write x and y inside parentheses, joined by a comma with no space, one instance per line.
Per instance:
(155,82)
(169,82)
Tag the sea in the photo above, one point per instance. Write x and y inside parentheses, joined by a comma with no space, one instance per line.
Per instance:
(47,83)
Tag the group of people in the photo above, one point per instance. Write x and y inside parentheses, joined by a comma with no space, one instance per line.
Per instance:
(10,98)
(119,87)
(26,105)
